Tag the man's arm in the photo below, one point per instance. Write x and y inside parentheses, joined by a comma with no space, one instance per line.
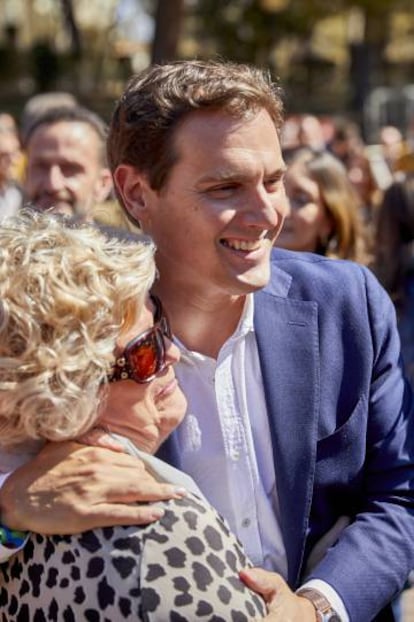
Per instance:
(372,558)
(69,488)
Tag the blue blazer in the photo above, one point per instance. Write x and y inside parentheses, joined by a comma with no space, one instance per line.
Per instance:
(341,418)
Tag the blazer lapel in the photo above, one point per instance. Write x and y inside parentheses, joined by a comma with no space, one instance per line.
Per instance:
(287,338)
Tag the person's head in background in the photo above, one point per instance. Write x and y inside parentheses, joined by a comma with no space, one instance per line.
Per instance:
(324,215)
(66,162)
(311,133)
(10,154)
(394,237)
(37,105)
(8,122)
(289,134)
(347,145)
(346,140)
(72,299)
(392,144)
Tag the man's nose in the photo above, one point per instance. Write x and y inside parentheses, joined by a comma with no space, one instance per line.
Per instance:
(54,178)
(265,209)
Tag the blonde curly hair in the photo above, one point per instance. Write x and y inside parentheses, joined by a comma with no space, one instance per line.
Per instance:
(66,293)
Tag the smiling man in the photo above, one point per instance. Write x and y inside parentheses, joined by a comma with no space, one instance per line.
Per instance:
(226,203)
(66,162)
(298,410)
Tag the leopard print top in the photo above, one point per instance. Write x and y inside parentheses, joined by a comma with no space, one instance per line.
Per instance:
(180,569)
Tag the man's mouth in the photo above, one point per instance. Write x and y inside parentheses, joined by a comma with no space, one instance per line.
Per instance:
(242,245)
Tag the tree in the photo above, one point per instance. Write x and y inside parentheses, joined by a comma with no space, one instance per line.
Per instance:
(72,27)
(251,31)
(168,19)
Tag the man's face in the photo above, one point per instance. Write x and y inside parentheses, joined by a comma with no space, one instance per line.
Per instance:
(64,169)
(216,218)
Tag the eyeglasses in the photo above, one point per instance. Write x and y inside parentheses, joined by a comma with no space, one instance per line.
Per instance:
(144,356)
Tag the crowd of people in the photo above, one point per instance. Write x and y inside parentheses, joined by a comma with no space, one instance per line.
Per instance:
(282,488)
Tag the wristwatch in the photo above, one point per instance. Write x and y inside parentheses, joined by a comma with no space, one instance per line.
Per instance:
(324,610)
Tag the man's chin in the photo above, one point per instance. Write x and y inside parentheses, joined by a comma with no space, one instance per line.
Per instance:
(252,281)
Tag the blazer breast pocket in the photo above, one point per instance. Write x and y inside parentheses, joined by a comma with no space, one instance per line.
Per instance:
(344,449)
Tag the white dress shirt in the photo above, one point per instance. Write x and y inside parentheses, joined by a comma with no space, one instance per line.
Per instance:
(224,443)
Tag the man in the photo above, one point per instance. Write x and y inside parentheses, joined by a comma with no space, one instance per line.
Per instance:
(66,162)
(10,194)
(298,414)
(40,103)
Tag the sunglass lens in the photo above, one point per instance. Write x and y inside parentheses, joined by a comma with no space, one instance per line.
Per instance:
(143,359)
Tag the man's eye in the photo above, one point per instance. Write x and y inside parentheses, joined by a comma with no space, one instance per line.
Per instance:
(224,189)
(273,184)
(69,170)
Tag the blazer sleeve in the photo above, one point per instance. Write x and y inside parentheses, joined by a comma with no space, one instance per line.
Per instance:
(370,561)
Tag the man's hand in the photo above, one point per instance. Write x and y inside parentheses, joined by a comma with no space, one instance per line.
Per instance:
(283,605)
(69,488)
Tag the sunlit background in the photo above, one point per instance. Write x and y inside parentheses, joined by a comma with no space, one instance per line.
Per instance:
(332,56)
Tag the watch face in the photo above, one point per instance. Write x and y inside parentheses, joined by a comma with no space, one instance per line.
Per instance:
(333,617)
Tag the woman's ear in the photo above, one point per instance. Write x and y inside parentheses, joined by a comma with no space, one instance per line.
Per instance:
(132,190)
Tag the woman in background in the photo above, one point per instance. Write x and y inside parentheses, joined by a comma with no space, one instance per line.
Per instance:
(325,215)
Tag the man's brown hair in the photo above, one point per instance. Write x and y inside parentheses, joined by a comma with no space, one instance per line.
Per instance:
(158,99)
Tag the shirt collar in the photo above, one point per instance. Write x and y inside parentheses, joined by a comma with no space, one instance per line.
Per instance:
(244,327)
(245,324)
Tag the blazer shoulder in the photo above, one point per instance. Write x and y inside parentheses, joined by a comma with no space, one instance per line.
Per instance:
(314,277)
(302,265)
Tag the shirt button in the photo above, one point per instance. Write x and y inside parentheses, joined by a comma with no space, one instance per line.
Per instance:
(246,522)
(235,455)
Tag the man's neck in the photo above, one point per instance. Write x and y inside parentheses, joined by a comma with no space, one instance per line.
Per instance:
(202,324)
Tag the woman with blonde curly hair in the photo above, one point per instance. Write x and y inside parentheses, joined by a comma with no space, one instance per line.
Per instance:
(325,212)
(86,354)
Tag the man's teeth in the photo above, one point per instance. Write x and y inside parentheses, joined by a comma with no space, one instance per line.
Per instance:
(242,245)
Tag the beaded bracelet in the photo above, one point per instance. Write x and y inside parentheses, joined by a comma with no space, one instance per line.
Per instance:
(11,538)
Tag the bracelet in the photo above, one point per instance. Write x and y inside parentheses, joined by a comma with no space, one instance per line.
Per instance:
(11,538)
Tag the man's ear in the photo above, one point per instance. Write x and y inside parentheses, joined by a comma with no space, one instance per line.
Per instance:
(103,186)
(132,187)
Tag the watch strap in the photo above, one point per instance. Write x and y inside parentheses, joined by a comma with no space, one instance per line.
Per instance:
(324,610)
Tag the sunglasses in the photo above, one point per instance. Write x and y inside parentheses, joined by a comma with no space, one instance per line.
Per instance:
(144,356)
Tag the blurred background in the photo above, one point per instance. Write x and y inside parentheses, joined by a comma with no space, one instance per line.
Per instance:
(348,57)
(347,71)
